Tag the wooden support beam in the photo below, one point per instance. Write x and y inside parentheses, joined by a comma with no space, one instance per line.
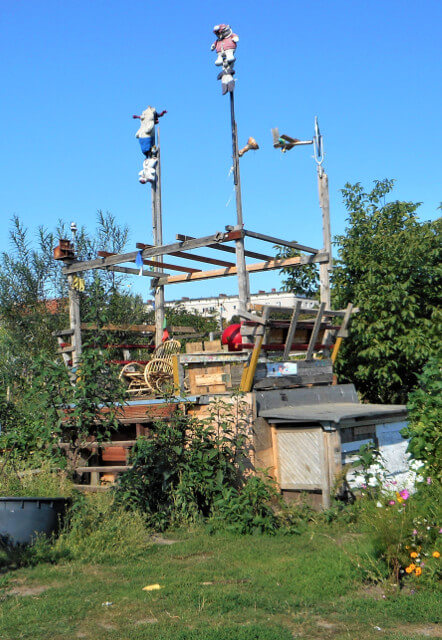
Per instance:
(292,330)
(135,272)
(191,256)
(315,332)
(284,243)
(152,263)
(132,328)
(248,254)
(251,268)
(121,258)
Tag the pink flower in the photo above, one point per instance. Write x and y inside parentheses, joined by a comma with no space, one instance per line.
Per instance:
(440,530)
(404,494)
(428,480)
(393,482)
(415,532)
(391,502)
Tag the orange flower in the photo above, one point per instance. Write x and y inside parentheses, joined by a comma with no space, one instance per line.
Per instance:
(399,497)
(413,554)
(436,554)
(411,567)
(418,571)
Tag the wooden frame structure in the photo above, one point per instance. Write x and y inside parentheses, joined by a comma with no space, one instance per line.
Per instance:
(153,257)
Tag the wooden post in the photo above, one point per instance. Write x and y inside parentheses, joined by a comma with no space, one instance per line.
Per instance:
(157,231)
(243,277)
(324,269)
(74,320)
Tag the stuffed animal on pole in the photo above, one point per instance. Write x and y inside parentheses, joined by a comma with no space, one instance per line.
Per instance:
(225,46)
(146,138)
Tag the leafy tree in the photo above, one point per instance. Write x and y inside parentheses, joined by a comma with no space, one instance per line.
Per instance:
(389,267)
(425,417)
(302,281)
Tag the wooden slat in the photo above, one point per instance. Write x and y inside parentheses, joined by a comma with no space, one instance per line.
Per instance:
(315,332)
(248,254)
(152,263)
(251,268)
(63,332)
(292,330)
(284,243)
(126,444)
(134,328)
(191,256)
(103,469)
(132,271)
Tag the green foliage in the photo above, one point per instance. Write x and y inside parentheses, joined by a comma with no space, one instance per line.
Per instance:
(425,418)
(191,469)
(390,267)
(302,281)
(34,478)
(403,531)
(100,531)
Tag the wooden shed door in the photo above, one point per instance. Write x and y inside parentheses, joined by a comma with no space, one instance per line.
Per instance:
(300,458)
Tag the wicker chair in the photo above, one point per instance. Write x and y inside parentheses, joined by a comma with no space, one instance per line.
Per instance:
(154,377)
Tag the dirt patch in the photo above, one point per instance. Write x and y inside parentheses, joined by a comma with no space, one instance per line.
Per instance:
(29,590)
(428,630)
(146,621)
(194,556)
(161,540)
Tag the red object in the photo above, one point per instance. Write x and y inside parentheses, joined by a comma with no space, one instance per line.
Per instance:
(166,336)
(232,337)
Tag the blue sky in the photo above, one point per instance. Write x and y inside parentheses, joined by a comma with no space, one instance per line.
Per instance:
(74,72)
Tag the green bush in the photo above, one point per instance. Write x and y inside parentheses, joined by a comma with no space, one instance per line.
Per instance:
(190,470)
(34,478)
(98,531)
(425,418)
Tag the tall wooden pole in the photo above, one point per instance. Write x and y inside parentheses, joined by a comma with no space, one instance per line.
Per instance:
(157,232)
(324,269)
(243,277)
(74,321)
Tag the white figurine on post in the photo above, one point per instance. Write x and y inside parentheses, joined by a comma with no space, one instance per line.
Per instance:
(146,138)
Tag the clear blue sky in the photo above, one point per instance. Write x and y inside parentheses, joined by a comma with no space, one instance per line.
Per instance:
(73,73)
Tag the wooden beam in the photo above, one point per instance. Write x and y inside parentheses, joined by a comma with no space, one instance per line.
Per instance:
(292,330)
(251,268)
(191,256)
(315,332)
(152,263)
(133,328)
(248,254)
(284,243)
(135,272)
(121,258)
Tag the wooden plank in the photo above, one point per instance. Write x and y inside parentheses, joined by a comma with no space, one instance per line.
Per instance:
(251,268)
(74,320)
(194,243)
(292,330)
(212,345)
(315,332)
(66,349)
(192,347)
(152,263)
(135,272)
(248,254)
(104,469)
(324,271)
(132,328)
(211,379)
(127,444)
(192,256)
(284,243)
(289,382)
(342,333)
(63,332)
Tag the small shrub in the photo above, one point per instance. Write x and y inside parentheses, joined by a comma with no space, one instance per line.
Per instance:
(34,478)
(100,531)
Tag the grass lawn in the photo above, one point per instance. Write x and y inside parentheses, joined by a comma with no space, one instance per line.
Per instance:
(217,587)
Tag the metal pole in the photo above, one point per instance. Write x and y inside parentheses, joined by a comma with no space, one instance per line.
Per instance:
(157,232)
(243,276)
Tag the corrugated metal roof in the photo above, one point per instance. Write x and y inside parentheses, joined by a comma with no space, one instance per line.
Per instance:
(331,412)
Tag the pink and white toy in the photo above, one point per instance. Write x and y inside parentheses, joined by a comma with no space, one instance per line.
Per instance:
(225,44)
